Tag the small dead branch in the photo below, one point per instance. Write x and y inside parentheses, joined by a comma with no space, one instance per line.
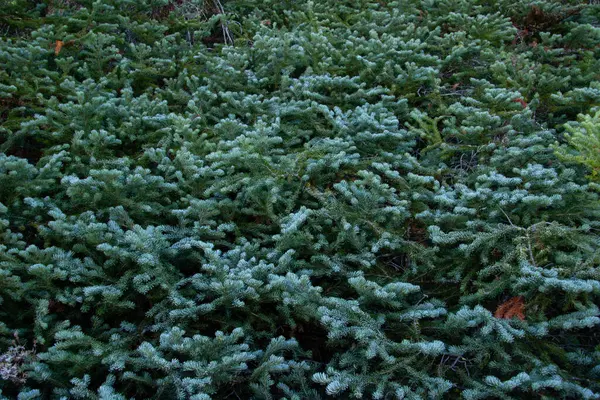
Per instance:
(226,32)
(456,361)
(12,361)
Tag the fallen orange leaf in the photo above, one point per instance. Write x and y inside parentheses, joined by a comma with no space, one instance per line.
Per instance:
(58,47)
(522,102)
(513,307)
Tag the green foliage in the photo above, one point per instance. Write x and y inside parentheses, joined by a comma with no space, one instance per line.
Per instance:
(583,143)
(299,200)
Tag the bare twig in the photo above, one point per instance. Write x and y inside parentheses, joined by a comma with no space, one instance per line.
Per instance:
(227,37)
(507,217)
(530,250)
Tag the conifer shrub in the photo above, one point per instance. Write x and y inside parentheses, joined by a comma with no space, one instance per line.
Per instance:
(276,199)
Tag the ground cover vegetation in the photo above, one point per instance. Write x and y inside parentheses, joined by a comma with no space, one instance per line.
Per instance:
(279,199)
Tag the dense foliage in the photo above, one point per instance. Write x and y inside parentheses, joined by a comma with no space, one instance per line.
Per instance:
(291,199)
